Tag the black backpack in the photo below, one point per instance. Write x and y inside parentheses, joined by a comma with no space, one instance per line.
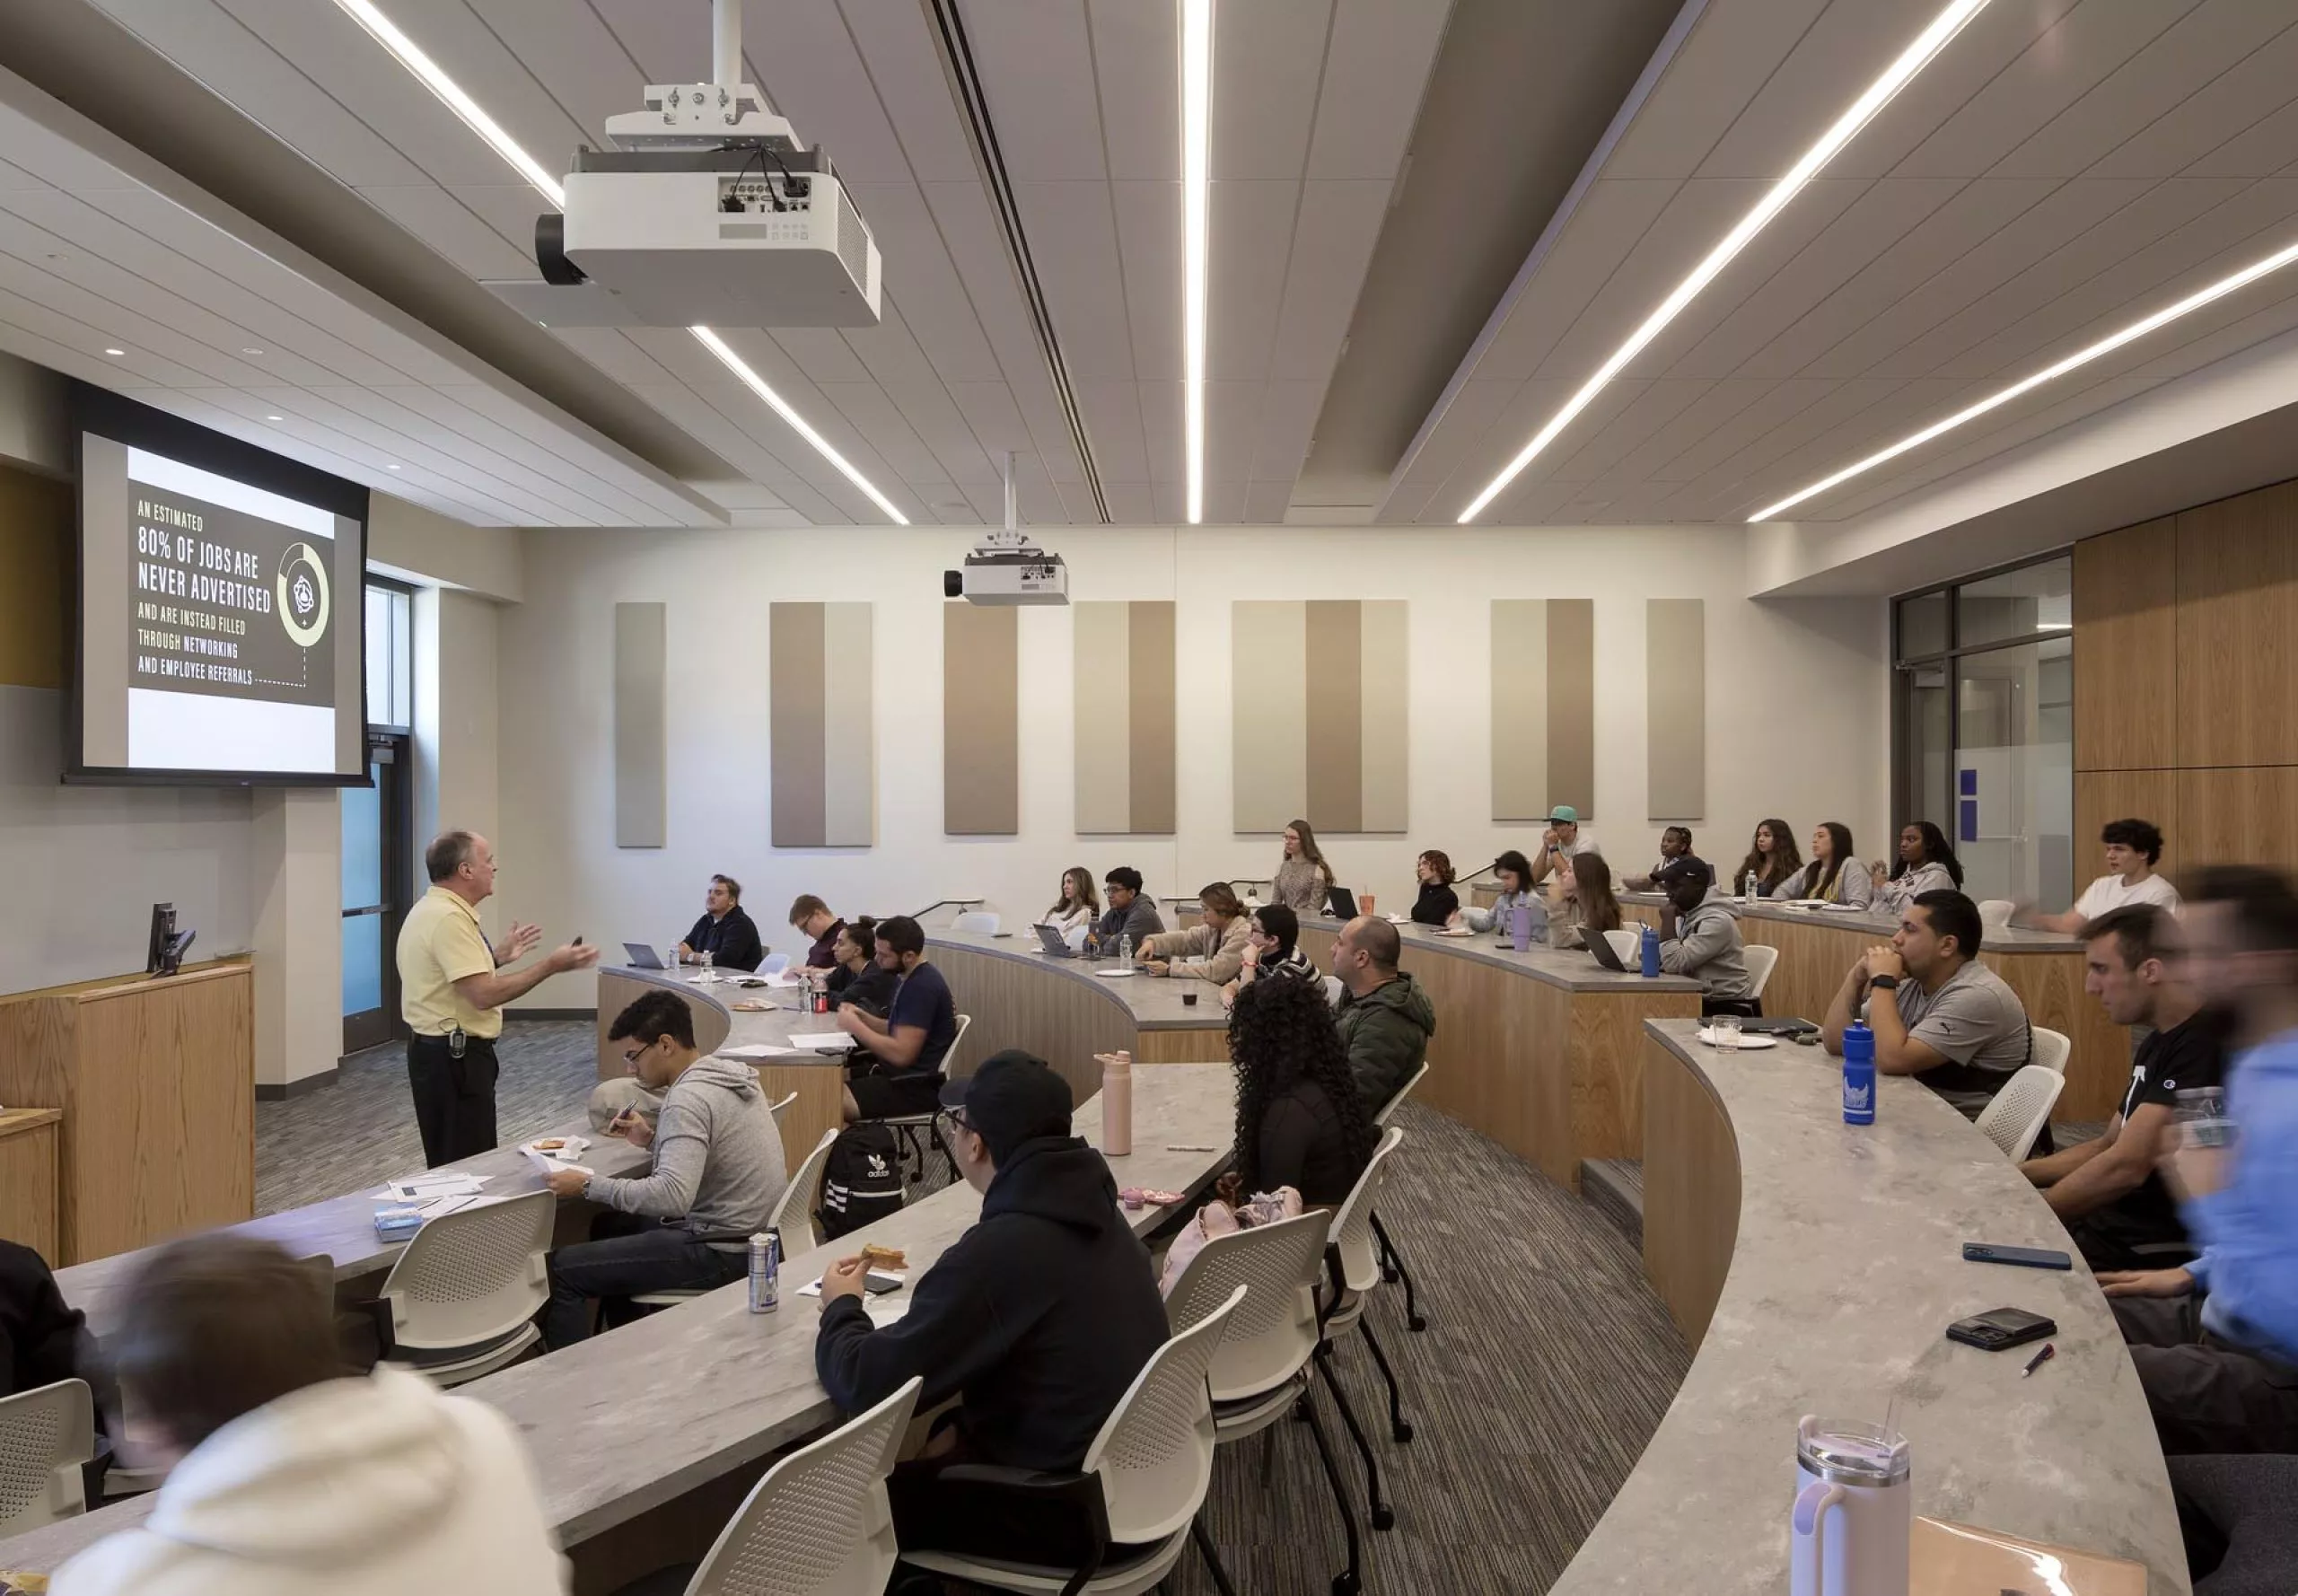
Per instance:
(861,1180)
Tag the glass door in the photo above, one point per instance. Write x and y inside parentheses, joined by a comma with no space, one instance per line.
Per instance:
(374,894)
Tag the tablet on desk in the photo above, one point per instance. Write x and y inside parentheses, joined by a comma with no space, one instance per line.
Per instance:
(1342,902)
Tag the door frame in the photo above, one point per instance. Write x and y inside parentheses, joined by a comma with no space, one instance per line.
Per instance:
(393,752)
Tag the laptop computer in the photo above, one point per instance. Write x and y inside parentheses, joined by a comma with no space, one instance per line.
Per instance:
(1053,942)
(642,957)
(1342,902)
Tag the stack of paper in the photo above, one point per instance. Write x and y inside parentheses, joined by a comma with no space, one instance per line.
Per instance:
(822,1042)
(755,1051)
(424,1188)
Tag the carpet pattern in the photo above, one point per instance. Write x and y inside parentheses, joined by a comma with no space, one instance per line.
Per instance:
(1546,1366)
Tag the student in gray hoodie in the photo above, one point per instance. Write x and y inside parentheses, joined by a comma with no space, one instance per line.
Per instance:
(1699,932)
(718,1173)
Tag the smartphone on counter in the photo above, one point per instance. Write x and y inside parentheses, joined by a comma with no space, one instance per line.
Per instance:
(2000,1328)
(2024,1258)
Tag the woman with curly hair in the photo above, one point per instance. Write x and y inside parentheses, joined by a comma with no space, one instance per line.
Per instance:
(1300,1122)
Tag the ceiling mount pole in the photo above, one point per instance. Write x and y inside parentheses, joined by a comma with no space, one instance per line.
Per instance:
(726,44)
(1012,496)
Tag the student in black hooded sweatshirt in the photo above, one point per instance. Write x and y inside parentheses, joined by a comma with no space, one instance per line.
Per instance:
(1037,1318)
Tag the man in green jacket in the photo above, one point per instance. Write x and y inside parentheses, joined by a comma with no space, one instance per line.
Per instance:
(1385,1018)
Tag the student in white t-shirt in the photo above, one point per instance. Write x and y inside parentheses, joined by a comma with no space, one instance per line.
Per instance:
(2133,847)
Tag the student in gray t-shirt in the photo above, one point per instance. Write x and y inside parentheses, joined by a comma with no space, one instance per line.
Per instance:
(1953,1023)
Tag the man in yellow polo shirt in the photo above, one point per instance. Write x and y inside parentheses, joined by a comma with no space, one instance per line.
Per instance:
(452,987)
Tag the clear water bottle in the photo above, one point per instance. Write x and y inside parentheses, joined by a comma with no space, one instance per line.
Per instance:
(765,1272)
(1125,951)
(1749,889)
(1859,1075)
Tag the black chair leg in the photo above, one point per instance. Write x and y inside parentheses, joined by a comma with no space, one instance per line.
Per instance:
(1398,1428)
(1348,1582)
(1413,1321)
(1267,1457)
(1196,1532)
(1384,1516)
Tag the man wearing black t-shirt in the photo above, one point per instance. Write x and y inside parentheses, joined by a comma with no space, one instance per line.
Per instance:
(2106,1191)
(912,1042)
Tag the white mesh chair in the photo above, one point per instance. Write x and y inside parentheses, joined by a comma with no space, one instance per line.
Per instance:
(2017,1114)
(915,1131)
(819,1524)
(46,1435)
(2052,1050)
(1143,1482)
(1995,913)
(1627,944)
(981,920)
(781,1110)
(773,964)
(793,1213)
(1392,1266)
(1762,959)
(463,1295)
(1352,1270)
(1261,1372)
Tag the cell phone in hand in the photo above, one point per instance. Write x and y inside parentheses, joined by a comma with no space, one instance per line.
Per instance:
(2024,1258)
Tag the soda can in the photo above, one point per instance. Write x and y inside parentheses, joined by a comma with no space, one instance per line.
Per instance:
(765,1271)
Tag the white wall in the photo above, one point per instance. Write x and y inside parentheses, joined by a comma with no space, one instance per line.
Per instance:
(1795,690)
(455,721)
(296,862)
(84,866)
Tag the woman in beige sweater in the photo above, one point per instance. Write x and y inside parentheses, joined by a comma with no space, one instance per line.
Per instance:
(1304,880)
(1212,952)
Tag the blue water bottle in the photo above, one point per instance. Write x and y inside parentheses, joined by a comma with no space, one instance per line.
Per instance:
(1648,949)
(1859,1075)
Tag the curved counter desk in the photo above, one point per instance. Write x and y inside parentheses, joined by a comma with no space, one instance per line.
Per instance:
(1814,1268)
(1541,1050)
(2045,968)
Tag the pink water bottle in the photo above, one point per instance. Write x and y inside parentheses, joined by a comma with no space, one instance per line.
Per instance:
(1117,1103)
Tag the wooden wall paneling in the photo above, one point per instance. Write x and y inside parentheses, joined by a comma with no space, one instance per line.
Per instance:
(2247,815)
(36,519)
(1208,1045)
(2103,795)
(2050,987)
(2127,650)
(617,990)
(1062,1020)
(30,1147)
(1691,1191)
(1605,1068)
(821,1105)
(2237,587)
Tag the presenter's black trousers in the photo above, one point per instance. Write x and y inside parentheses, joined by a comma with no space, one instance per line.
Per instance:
(454,1098)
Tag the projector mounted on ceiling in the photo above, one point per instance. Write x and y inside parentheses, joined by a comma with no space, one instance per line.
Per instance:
(707,213)
(1006,567)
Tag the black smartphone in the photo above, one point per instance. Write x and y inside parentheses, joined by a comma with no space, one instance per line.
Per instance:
(878,1285)
(2000,1328)
(2024,1258)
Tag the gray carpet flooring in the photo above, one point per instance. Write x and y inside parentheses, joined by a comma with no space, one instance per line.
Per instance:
(1546,1366)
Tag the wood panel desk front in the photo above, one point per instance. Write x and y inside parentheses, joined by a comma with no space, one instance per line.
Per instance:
(1817,946)
(27,1183)
(1541,1050)
(156,1078)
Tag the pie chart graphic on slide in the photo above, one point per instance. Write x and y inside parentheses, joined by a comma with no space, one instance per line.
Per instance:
(303,595)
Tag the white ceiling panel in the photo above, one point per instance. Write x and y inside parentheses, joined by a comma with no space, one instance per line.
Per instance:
(1141,113)
(1252,228)
(1036,61)
(1380,56)
(1073,237)
(1268,58)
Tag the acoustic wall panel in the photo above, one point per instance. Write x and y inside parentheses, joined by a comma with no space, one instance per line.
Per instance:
(1675,718)
(1543,706)
(981,731)
(1319,714)
(641,803)
(1124,755)
(818,672)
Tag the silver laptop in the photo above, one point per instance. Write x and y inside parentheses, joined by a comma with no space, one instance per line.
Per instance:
(1054,943)
(642,957)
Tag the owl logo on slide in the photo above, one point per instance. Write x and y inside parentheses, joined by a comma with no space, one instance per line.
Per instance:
(304,602)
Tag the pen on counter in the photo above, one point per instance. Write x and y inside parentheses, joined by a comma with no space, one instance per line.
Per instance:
(1187,1147)
(2038,1360)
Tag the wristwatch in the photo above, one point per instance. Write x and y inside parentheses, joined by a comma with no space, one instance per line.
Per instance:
(1888,983)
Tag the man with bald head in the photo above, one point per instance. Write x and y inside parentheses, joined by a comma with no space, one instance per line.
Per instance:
(452,984)
(1385,1019)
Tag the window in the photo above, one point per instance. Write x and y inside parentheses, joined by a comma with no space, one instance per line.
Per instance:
(1983,712)
(390,655)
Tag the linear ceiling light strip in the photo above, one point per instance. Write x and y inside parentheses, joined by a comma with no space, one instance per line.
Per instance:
(2081,357)
(1197,166)
(973,101)
(1861,111)
(451,94)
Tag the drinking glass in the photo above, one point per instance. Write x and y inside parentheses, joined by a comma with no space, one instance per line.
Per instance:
(1727,1032)
(707,977)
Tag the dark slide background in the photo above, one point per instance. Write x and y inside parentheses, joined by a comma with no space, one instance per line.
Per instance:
(206,617)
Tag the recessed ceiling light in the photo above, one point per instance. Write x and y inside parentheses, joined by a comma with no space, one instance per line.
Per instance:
(392,465)
(780,407)
(1197,171)
(250,349)
(115,352)
(1879,94)
(2057,369)
(274,418)
(451,94)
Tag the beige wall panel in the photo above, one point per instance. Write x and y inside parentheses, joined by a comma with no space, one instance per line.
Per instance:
(849,727)
(1519,709)
(1387,764)
(2127,650)
(1101,651)
(1151,717)
(981,764)
(1675,716)
(1268,711)
(796,663)
(641,790)
(1572,706)
(1336,716)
